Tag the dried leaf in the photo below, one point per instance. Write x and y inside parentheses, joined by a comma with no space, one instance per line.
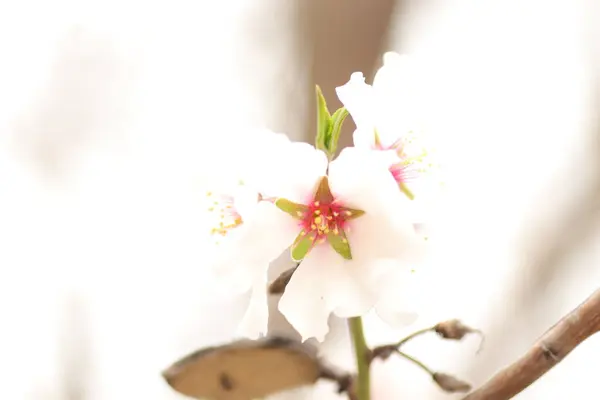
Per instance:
(245,370)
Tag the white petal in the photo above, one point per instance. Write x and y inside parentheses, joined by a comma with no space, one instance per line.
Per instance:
(233,275)
(252,246)
(358,99)
(398,90)
(364,138)
(355,291)
(298,171)
(399,296)
(304,302)
(268,234)
(360,180)
(256,319)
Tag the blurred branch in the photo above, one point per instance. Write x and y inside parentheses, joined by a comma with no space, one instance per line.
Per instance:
(549,350)
(553,246)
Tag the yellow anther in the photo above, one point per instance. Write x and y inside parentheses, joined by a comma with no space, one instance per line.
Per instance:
(348,213)
(335,213)
(299,213)
(344,240)
(317,212)
(211,209)
(318,220)
(303,233)
(317,204)
(329,217)
(313,226)
(336,231)
(208,194)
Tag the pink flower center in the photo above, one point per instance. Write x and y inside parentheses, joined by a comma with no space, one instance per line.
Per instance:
(321,219)
(409,166)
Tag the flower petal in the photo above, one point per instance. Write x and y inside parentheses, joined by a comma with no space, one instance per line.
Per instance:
(398,93)
(355,291)
(256,319)
(252,246)
(297,172)
(304,303)
(364,138)
(397,304)
(360,180)
(268,234)
(358,98)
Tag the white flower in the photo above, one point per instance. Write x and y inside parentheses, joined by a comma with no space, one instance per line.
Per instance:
(240,211)
(389,117)
(344,222)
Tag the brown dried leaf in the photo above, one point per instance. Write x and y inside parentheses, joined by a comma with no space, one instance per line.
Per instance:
(245,370)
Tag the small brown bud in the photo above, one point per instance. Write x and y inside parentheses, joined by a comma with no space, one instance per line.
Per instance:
(453,329)
(449,383)
(383,352)
(278,285)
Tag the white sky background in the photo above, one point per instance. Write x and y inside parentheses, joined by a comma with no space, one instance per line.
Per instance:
(112,112)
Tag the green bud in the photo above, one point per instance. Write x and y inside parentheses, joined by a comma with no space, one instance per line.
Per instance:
(329,126)
(337,121)
(323,122)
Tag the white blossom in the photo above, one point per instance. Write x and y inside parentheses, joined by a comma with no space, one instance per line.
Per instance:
(390,117)
(347,229)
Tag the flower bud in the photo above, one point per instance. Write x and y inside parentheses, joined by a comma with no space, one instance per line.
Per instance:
(453,329)
(449,383)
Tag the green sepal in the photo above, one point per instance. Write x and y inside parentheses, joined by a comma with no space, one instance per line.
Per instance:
(302,245)
(323,193)
(323,122)
(294,209)
(351,213)
(340,244)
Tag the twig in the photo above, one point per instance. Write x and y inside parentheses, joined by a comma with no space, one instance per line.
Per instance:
(453,330)
(549,350)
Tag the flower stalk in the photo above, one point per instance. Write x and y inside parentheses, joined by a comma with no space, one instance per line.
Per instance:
(363,382)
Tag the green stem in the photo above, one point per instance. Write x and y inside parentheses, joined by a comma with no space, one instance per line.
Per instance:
(413,335)
(416,362)
(362,358)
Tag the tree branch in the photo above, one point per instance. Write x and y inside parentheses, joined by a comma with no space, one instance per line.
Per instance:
(549,350)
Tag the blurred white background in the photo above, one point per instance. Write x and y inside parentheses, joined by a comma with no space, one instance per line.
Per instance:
(113,114)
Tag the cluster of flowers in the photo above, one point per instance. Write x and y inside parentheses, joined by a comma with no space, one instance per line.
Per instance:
(346,220)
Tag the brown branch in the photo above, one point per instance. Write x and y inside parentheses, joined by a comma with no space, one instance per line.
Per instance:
(549,350)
